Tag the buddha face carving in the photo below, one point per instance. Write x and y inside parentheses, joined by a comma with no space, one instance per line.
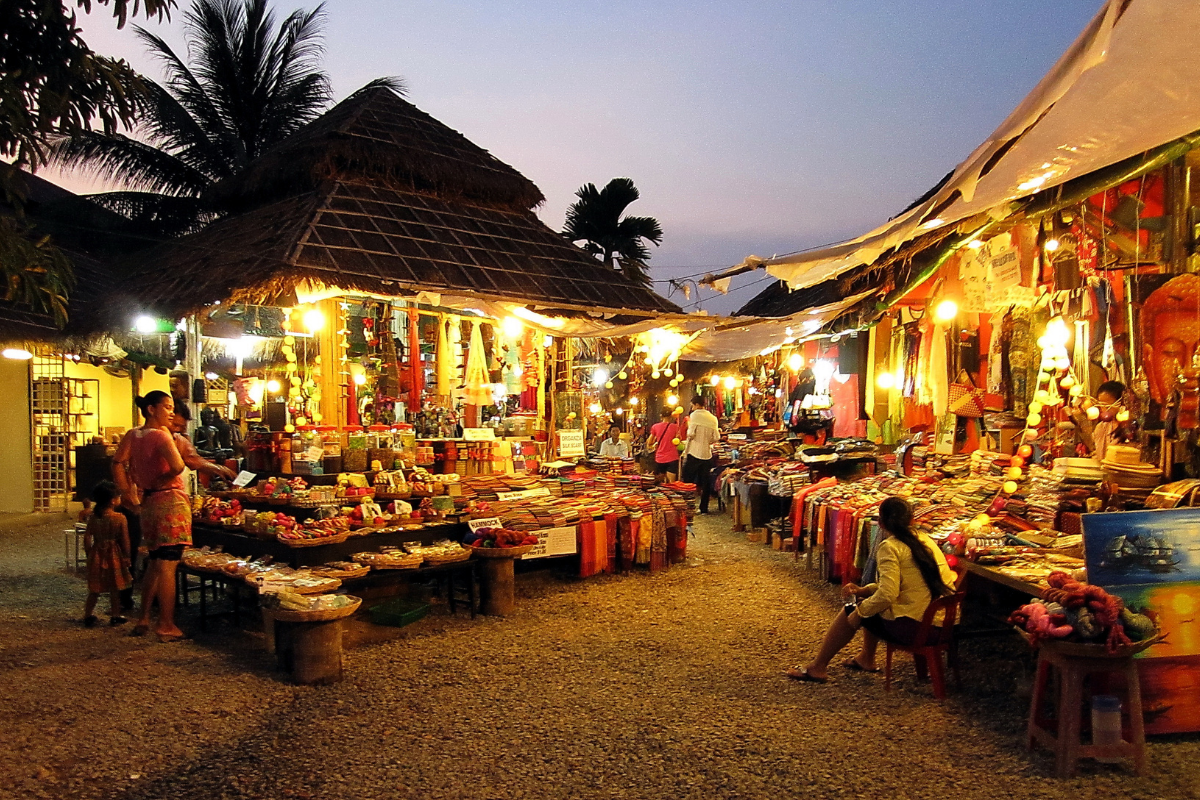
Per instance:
(1170,323)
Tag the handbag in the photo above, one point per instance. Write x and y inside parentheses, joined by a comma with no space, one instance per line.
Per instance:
(965,399)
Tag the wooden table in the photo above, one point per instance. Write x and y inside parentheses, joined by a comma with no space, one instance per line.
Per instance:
(239,543)
(996,576)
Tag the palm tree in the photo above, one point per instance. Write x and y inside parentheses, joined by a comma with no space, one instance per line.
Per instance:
(250,84)
(595,218)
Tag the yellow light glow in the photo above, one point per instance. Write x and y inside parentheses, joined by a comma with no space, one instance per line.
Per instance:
(1076,390)
(1013,473)
(1057,333)
(547,341)
(715,380)
(17,354)
(538,319)
(633,401)
(795,362)
(594,408)
(672,400)
(360,378)
(885,380)
(946,311)
(730,382)
(1009,487)
(1093,413)
(620,411)
(512,327)
(273,386)
(1051,245)
(975,244)
(1123,415)
(622,374)
(314,320)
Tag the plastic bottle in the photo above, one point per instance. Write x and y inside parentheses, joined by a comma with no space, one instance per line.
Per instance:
(1106,723)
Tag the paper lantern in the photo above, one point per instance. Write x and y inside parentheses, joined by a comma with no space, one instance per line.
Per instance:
(1024,451)
(1013,473)
(1009,487)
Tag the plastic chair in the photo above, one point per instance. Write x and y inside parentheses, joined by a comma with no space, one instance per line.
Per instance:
(928,656)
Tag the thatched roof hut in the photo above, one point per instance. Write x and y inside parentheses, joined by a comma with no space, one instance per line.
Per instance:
(376,196)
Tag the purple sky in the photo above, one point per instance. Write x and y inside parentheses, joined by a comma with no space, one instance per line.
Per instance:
(750,127)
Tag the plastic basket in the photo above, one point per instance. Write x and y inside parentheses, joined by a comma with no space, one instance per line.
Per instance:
(398,613)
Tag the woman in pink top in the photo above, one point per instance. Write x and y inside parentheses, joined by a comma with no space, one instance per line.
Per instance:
(666,452)
(148,466)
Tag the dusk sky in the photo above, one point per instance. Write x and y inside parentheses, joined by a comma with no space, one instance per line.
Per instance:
(750,128)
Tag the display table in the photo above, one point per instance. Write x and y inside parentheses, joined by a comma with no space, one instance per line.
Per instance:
(997,577)
(239,543)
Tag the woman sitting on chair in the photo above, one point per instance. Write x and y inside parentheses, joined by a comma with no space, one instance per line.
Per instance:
(911,572)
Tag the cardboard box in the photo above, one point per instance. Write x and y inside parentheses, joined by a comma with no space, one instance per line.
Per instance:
(757,535)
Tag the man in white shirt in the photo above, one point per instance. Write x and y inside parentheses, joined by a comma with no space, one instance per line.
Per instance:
(613,447)
(703,430)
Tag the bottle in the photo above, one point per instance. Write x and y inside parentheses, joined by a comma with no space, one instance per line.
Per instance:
(1106,723)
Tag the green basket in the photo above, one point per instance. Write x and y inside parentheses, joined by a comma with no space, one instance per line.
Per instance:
(398,613)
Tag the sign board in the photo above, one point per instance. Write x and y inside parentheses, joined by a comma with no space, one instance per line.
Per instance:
(570,444)
(479,434)
(523,494)
(486,522)
(553,542)
(314,454)
(737,437)
(243,479)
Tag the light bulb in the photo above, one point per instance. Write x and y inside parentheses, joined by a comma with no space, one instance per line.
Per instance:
(594,408)
(656,374)
(885,380)
(1123,415)
(1013,473)
(620,411)
(672,400)
(17,354)
(360,378)
(668,372)
(145,324)
(273,386)
(600,377)
(975,244)
(730,382)
(512,327)
(795,362)
(547,341)
(946,311)
(633,401)
(622,374)
(714,380)
(314,320)
(1051,245)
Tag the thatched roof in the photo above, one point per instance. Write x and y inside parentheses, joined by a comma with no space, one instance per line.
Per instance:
(87,235)
(376,135)
(370,238)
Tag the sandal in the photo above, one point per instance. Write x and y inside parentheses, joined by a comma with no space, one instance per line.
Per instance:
(802,674)
(854,666)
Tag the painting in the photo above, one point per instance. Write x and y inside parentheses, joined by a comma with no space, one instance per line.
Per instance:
(1151,560)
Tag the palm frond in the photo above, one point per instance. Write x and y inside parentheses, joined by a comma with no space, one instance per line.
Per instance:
(128,162)
(157,215)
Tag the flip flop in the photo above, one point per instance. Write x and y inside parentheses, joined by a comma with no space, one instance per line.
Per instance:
(801,674)
(857,667)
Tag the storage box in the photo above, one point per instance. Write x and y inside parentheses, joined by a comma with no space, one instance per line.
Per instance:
(398,613)
(757,535)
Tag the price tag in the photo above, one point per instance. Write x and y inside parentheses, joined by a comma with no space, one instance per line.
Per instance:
(553,542)
(486,522)
(479,434)
(524,494)
(243,479)
(314,454)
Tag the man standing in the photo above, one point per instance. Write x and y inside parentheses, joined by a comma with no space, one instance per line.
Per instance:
(703,430)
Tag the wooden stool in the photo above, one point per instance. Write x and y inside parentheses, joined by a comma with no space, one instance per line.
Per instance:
(310,651)
(1072,669)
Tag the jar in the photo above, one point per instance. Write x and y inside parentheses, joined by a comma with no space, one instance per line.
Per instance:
(1106,723)
(405,443)
(379,447)
(354,457)
(331,443)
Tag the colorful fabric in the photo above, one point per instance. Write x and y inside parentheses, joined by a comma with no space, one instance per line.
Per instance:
(166,519)
(108,564)
(146,465)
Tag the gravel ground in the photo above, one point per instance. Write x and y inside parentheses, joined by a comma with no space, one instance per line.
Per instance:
(625,687)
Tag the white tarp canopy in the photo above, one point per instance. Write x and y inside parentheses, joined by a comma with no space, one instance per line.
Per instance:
(1128,84)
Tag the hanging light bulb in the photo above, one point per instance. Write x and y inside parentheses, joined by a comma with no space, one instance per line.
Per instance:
(608,384)
(795,362)
(619,411)
(512,327)
(622,374)
(715,380)
(885,380)
(1013,473)
(360,378)
(730,382)
(273,386)
(547,341)
(668,372)
(314,320)
(672,400)
(1051,245)
(594,408)
(633,401)
(946,311)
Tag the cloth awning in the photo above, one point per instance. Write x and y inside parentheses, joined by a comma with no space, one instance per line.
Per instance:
(1128,84)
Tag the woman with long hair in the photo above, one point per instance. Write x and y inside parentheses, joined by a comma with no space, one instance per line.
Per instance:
(148,470)
(911,572)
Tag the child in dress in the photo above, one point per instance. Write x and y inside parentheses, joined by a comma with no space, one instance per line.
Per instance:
(107,544)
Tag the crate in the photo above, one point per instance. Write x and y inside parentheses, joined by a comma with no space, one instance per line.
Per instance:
(398,613)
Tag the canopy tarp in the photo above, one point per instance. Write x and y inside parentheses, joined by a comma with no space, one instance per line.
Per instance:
(1128,84)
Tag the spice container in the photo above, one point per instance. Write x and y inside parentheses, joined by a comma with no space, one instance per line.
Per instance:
(354,457)
(331,443)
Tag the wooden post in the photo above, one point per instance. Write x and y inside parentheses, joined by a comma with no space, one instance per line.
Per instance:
(497,587)
(333,382)
(310,651)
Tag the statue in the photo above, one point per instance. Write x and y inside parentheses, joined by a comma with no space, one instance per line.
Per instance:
(1170,327)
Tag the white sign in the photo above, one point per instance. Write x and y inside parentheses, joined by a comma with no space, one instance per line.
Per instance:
(479,434)
(570,444)
(486,522)
(243,479)
(553,542)
(524,494)
(314,454)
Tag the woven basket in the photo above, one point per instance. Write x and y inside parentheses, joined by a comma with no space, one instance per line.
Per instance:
(465,555)
(328,615)
(337,583)
(1090,649)
(407,562)
(501,552)
(343,574)
(337,539)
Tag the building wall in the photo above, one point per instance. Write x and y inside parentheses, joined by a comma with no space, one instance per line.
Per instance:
(16,448)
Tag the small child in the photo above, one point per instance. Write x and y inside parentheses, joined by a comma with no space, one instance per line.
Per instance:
(85,513)
(107,544)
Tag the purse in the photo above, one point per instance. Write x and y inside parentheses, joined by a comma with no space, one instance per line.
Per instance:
(965,399)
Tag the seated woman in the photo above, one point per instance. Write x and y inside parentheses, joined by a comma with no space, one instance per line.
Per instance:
(911,572)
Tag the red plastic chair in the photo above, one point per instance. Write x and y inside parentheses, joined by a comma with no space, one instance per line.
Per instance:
(927,658)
